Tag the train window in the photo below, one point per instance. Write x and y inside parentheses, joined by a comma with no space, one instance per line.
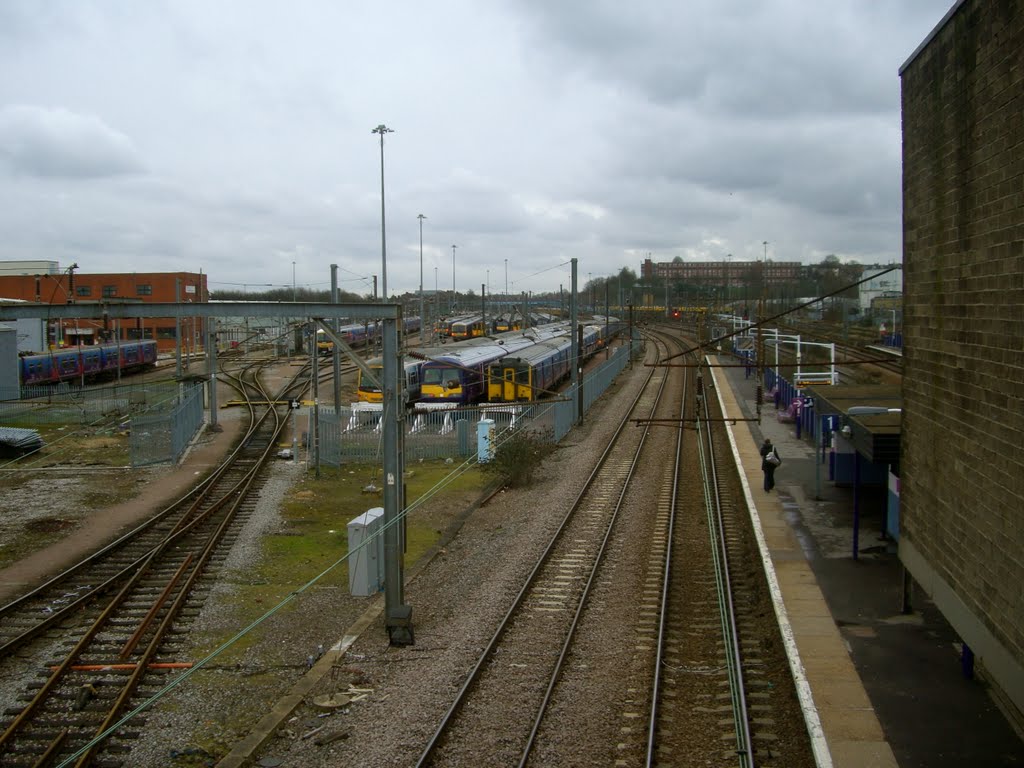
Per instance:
(439,376)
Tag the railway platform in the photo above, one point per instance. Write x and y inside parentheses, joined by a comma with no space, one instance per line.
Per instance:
(888,687)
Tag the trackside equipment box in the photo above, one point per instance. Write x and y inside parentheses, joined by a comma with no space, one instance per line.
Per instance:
(485,440)
(366,553)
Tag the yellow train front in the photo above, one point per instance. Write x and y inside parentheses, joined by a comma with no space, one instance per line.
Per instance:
(468,328)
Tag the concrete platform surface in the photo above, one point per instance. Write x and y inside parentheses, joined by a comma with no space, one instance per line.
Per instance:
(888,687)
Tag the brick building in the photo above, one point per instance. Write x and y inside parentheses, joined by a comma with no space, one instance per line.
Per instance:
(723,273)
(68,286)
(962,505)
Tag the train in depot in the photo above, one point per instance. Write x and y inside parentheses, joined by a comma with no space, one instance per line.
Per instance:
(86,362)
(537,370)
(459,376)
(358,335)
(368,392)
(472,326)
(469,328)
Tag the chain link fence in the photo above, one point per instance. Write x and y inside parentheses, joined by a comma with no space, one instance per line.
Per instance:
(71,404)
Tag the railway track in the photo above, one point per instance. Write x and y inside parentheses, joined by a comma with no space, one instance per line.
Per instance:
(644,636)
(722,693)
(524,660)
(112,620)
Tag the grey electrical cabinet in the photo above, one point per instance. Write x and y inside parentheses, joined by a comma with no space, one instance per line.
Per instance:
(366,553)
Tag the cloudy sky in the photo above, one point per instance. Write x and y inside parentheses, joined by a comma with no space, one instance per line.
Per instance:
(236,137)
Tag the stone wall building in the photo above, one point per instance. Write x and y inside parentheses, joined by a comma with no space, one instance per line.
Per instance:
(962,506)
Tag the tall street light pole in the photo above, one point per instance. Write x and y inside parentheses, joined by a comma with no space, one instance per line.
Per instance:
(764,271)
(423,319)
(293,281)
(453,275)
(506,279)
(382,129)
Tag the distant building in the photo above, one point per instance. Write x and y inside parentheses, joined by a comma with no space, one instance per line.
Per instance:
(68,286)
(883,286)
(961,527)
(733,274)
(38,267)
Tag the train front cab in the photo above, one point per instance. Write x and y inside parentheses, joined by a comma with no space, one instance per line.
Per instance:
(368,392)
(509,380)
(441,383)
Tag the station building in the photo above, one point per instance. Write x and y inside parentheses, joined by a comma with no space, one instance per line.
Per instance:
(962,495)
(46,283)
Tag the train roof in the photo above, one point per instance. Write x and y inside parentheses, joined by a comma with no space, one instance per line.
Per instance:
(467,319)
(534,354)
(467,357)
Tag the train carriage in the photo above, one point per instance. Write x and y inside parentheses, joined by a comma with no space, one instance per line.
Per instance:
(468,328)
(460,376)
(529,373)
(86,362)
(535,371)
(368,392)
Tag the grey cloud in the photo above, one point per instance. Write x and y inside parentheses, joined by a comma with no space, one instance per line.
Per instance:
(58,143)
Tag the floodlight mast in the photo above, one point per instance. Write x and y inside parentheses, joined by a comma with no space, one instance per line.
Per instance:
(382,129)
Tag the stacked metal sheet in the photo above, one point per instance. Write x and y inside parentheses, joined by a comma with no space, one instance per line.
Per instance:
(15,441)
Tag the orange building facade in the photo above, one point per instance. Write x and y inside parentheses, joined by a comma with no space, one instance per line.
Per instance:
(70,287)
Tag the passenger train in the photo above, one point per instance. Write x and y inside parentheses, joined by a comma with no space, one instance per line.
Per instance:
(418,363)
(535,371)
(86,362)
(368,392)
(468,328)
(460,376)
(358,334)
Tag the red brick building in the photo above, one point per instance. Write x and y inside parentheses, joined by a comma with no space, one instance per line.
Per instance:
(72,287)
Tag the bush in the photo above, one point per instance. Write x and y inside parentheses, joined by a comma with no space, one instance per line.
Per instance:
(518,455)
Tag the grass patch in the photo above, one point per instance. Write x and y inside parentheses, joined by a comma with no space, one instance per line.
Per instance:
(315,515)
(312,534)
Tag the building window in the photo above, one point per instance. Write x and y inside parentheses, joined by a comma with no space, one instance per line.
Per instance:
(140,333)
(144,290)
(83,290)
(109,290)
(166,333)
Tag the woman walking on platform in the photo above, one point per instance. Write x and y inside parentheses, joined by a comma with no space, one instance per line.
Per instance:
(770,459)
